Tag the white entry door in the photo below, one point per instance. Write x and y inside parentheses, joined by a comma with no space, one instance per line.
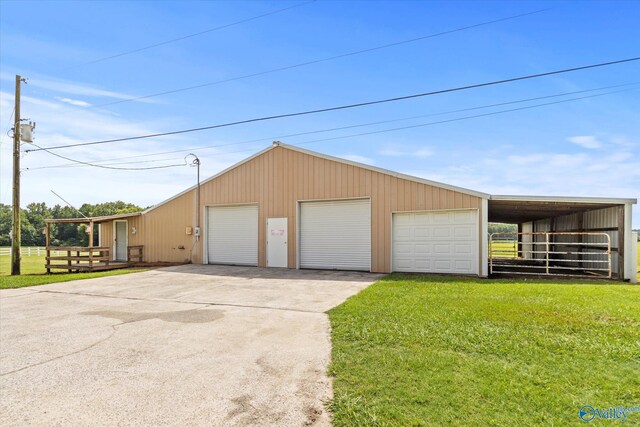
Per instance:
(120,241)
(277,232)
(436,242)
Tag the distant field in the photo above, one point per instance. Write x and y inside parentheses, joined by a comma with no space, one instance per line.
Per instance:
(34,273)
(30,264)
(504,249)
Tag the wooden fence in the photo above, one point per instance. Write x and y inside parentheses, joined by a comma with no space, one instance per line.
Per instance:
(24,251)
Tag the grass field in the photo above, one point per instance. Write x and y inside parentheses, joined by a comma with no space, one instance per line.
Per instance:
(420,350)
(34,273)
(504,249)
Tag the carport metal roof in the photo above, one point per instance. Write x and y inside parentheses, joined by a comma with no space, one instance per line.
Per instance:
(519,209)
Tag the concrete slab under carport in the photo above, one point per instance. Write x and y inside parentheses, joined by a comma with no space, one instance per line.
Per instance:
(206,345)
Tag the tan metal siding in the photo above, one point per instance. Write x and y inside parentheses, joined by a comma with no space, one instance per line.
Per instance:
(276,181)
(164,231)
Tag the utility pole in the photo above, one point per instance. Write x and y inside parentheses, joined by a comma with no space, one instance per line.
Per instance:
(15,239)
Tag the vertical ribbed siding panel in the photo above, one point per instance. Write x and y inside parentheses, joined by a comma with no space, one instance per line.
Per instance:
(385,249)
(604,218)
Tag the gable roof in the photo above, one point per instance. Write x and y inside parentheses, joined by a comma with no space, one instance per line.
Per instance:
(334,159)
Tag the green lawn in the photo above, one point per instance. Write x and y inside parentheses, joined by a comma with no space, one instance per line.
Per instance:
(420,350)
(34,273)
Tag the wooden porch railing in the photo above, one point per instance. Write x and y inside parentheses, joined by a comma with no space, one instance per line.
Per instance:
(84,258)
(77,258)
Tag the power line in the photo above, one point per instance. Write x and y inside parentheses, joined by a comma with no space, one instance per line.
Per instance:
(276,137)
(107,167)
(316,61)
(92,163)
(493,113)
(413,126)
(348,106)
(221,27)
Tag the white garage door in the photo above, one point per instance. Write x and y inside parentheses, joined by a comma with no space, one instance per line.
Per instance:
(336,235)
(436,242)
(232,235)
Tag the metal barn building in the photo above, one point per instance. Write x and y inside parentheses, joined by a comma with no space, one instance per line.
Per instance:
(293,208)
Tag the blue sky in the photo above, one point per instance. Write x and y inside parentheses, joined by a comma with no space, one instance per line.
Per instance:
(586,147)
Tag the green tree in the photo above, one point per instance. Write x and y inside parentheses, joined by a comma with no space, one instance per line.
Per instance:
(5,224)
(495,227)
(36,213)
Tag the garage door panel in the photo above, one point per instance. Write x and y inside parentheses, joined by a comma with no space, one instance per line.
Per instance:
(462,217)
(463,249)
(440,218)
(436,242)
(464,232)
(232,235)
(442,249)
(442,265)
(404,232)
(464,266)
(442,232)
(337,235)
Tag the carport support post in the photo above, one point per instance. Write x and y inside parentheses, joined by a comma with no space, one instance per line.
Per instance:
(621,253)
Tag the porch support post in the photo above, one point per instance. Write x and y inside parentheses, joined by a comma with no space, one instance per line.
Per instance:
(90,245)
(47,243)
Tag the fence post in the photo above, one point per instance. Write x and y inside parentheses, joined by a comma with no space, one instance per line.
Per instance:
(546,235)
(491,254)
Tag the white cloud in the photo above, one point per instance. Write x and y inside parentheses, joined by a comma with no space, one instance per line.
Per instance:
(76,102)
(585,141)
(422,153)
(74,88)
(598,174)
(394,152)
(60,124)
(518,159)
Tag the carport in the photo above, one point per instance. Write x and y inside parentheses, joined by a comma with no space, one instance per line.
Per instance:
(563,236)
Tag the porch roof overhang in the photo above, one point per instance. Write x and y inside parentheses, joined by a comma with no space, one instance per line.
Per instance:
(95,219)
(520,209)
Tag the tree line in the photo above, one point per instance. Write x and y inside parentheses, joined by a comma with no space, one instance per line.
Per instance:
(496,227)
(64,234)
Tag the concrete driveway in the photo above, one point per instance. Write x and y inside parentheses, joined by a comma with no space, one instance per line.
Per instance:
(188,345)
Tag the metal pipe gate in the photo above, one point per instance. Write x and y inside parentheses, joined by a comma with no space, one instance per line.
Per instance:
(550,254)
